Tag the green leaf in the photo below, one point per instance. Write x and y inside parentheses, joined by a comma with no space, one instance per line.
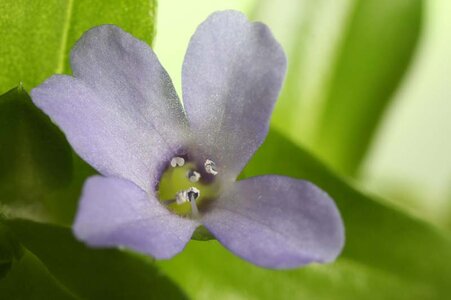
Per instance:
(347,58)
(377,234)
(206,270)
(10,249)
(375,54)
(35,157)
(49,29)
(61,204)
(30,279)
(37,35)
(93,273)
(388,255)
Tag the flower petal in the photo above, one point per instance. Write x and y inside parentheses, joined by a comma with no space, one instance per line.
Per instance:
(116,212)
(123,116)
(116,141)
(232,74)
(277,222)
(126,73)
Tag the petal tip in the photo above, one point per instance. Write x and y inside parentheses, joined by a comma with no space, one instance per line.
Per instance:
(301,227)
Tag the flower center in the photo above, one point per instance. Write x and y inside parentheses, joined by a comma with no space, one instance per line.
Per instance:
(185,187)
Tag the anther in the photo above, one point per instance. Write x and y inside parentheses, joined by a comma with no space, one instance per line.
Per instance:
(177,162)
(193,176)
(188,195)
(192,194)
(210,167)
(181,197)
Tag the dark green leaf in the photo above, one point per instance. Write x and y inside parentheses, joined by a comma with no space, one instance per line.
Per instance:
(37,35)
(93,273)
(29,279)
(61,204)
(35,157)
(10,249)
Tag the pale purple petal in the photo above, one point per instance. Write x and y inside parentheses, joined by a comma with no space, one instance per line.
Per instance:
(277,222)
(121,114)
(232,74)
(116,141)
(116,212)
(126,73)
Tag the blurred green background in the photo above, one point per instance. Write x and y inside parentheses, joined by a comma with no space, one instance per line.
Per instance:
(364,114)
(408,159)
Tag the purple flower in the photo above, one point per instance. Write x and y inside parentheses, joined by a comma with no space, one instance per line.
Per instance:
(167,169)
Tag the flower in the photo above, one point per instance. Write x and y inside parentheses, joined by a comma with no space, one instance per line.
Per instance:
(167,169)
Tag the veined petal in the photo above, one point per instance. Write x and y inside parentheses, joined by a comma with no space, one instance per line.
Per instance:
(121,112)
(125,73)
(277,222)
(117,141)
(232,74)
(116,212)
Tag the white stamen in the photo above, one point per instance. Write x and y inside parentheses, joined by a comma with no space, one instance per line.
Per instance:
(194,210)
(210,167)
(189,195)
(193,176)
(181,197)
(193,194)
(177,162)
